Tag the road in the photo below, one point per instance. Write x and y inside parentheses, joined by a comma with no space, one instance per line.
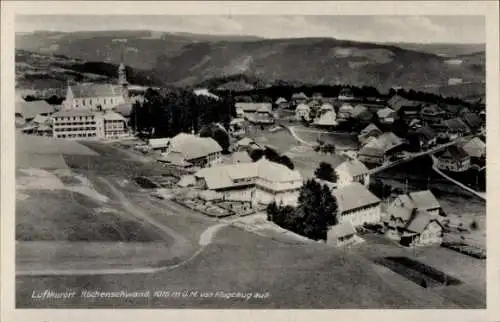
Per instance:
(481,195)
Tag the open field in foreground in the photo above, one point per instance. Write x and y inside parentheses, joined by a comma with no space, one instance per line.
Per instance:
(296,276)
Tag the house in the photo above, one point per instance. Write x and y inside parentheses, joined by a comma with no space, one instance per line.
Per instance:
(298,98)
(386,115)
(405,108)
(327,119)
(302,112)
(453,159)
(175,159)
(326,107)
(198,151)
(78,124)
(259,182)
(422,230)
(432,114)
(345,111)
(342,234)
(244,144)
(115,125)
(414,124)
(27,111)
(456,128)
(237,127)
(159,144)
(317,97)
(357,205)
(352,171)
(345,94)
(362,113)
(382,149)
(371,131)
(426,136)
(475,148)
(423,200)
(473,121)
(258,113)
(281,103)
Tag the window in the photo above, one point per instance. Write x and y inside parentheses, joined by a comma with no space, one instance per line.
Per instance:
(83,102)
(105,101)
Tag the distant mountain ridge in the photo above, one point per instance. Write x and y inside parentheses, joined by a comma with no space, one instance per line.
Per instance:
(186,59)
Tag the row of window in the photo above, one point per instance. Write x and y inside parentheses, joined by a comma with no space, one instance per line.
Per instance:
(74,118)
(80,135)
(73,123)
(89,101)
(74,129)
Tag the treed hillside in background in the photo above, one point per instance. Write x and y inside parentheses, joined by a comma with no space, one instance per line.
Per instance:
(187,60)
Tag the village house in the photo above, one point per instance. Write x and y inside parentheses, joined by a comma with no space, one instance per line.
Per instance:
(369,132)
(425,136)
(326,120)
(386,115)
(302,112)
(453,159)
(473,121)
(27,111)
(351,171)
(432,114)
(239,157)
(362,113)
(404,108)
(382,149)
(159,144)
(326,107)
(475,148)
(198,151)
(281,103)
(245,144)
(257,113)
(342,234)
(346,94)
(422,230)
(260,182)
(357,205)
(237,127)
(455,128)
(115,125)
(298,98)
(345,111)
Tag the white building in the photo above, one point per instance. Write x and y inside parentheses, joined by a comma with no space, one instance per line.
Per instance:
(342,234)
(352,171)
(357,205)
(198,151)
(260,182)
(454,159)
(302,111)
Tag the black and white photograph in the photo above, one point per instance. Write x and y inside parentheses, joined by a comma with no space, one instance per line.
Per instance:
(247,161)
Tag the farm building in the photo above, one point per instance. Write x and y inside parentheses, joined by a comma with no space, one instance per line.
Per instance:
(302,111)
(357,205)
(342,234)
(198,151)
(27,111)
(422,230)
(352,171)
(371,131)
(432,114)
(386,115)
(453,159)
(345,111)
(382,149)
(327,119)
(475,148)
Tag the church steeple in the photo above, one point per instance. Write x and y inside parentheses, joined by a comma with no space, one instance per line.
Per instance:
(122,79)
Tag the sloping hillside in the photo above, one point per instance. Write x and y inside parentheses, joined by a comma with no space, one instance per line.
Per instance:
(185,59)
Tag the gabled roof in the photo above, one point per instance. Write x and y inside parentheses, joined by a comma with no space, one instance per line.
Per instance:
(124,109)
(40,119)
(326,107)
(245,142)
(254,107)
(327,119)
(474,147)
(420,221)
(453,152)
(280,100)
(472,120)
(113,116)
(354,196)
(456,124)
(300,95)
(424,200)
(89,90)
(342,229)
(346,107)
(33,108)
(358,110)
(369,129)
(205,92)
(175,158)
(397,102)
(240,157)
(159,143)
(352,167)
(427,132)
(194,147)
(385,112)
(302,106)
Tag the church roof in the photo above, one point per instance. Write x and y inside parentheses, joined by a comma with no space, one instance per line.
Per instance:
(89,90)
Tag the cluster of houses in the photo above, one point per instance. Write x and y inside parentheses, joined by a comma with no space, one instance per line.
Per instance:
(89,111)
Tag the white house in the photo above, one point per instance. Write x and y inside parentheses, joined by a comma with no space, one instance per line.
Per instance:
(259,182)
(357,205)
(352,171)
(342,234)
(422,230)
(198,151)
(302,111)
(159,144)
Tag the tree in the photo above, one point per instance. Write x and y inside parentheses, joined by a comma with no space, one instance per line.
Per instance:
(287,162)
(272,210)
(256,154)
(328,205)
(326,172)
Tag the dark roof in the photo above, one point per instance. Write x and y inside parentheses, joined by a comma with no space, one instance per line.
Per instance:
(427,132)
(453,152)
(472,120)
(456,124)
(74,112)
(354,196)
(419,222)
(397,102)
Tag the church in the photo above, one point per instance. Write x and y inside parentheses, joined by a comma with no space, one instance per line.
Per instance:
(98,97)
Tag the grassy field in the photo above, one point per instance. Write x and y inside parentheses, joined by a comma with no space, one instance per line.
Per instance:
(62,215)
(296,276)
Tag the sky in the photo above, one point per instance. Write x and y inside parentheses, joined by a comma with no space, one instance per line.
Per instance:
(418,29)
